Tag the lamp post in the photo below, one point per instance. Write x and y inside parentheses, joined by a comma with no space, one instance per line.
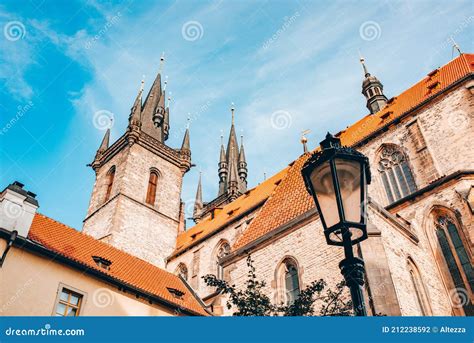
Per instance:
(337,178)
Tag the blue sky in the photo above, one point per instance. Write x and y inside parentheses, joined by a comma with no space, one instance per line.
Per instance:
(287,65)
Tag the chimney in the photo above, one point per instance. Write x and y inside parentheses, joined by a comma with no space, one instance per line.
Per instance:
(17,209)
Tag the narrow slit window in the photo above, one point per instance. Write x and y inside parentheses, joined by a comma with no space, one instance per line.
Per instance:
(110,183)
(151,192)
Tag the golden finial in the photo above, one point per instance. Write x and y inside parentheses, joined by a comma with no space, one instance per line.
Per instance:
(142,84)
(304,140)
(232,109)
(162,61)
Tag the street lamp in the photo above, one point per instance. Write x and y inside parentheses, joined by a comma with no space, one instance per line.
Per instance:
(337,177)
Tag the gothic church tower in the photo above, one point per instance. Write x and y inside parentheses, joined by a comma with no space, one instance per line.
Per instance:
(232,171)
(135,204)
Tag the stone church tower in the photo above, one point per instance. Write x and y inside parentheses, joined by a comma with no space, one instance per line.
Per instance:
(135,204)
(232,170)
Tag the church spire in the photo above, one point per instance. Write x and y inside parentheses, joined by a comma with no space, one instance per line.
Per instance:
(372,89)
(223,170)
(136,110)
(186,145)
(105,143)
(198,202)
(242,167)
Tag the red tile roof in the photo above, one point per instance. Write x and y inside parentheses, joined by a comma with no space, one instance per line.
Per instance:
(229,212)
(290,199)
(125,268)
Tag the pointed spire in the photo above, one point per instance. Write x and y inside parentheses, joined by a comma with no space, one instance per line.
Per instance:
(232,146)
(222,158)
(233,175)
(153,111)
(186,145)
(362,61)
(105,142)
(198,205)
(242,152)
(136,111)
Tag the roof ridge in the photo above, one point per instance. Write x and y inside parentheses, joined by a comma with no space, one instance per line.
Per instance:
(99,241)
(45,231)
(291,166)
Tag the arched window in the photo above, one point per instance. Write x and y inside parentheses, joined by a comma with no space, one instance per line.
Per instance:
(222,250)
(288,282)
(419,288)
(395,172)
(151,192)
(182,270)
(110,182)
(457,260)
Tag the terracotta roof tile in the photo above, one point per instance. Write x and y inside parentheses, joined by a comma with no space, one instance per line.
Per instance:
(239,206)
(290,199)
(126,268)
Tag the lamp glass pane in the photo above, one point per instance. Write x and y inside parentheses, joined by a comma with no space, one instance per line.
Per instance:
(323,186)
(349,175)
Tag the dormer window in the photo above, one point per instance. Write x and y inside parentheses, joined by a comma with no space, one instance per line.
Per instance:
(102,262)
(176,293)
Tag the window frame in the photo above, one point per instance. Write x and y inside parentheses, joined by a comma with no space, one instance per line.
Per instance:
(110,178)
(397,177)
(70,289)
(452,287)
(282,270)
(150,198)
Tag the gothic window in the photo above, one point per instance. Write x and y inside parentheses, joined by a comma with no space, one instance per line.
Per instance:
(222,251)
(370,92)
(151,192)
(110,181)
(288,282)
(396,174)
(182,270)
(419,289)
(458,262)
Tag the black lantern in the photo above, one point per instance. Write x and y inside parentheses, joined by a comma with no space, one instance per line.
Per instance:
(337,178)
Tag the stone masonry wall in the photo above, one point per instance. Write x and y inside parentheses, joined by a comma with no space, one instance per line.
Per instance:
(446,125)
(147,231)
